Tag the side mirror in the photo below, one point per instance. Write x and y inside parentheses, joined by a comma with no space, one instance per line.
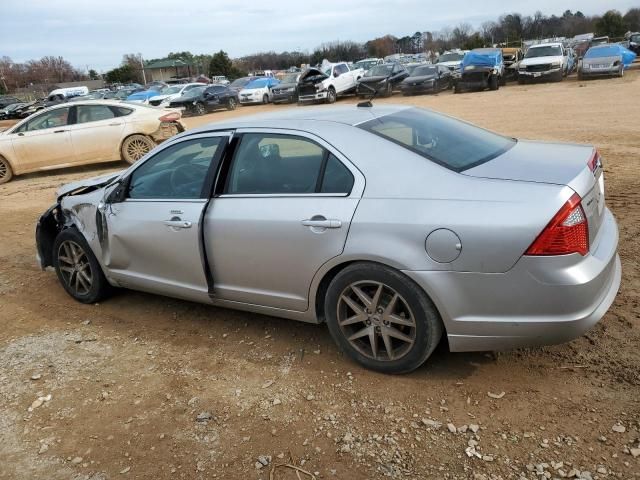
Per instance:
(118,194)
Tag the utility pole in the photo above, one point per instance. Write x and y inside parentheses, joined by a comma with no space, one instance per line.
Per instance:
(144,76)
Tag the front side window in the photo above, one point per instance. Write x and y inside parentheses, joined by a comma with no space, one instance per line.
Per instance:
(285,164)
(55,118)
(177,172)
(94,113)
(452,143)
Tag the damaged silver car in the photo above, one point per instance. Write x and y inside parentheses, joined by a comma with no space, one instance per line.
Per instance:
(378,221)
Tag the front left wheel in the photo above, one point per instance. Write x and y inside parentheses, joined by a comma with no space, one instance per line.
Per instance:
(77,268)
(381,319)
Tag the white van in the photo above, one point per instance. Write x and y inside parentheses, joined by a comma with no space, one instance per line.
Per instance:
(61,93)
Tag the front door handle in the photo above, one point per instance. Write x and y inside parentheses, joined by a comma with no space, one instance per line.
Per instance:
(59,131)
(177,224)
(322,223)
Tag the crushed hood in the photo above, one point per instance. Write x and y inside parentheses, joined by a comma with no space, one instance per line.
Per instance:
(312,75)
(94,182)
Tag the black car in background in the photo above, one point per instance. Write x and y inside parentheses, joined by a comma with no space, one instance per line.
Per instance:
(201,100)
(427,79)
(381,79)
(287,90)
(11,111)
(6,100)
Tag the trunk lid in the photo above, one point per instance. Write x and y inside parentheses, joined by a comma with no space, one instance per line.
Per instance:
(553,163)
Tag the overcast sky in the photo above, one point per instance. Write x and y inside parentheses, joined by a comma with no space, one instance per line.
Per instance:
(97,34)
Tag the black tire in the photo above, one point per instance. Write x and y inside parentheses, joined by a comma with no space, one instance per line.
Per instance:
(6,172)
(199,109)
(426,333)
(503,81)
(265,99)
(232,104)
(99,286)
(493,83)
(620,75)
(388,90)
(559,76)
(331,95)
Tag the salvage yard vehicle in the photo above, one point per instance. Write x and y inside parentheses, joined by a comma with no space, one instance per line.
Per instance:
(367,63)
(6,100)
(427,79)
(239,83)
(287,90)
(494,242)
(544,61)
(605,60)
(452,60)
(204,99)
(11,111)
(512,58)
(165,96)
(337,79)
(481,68)
(381,79)
(634,42)
(143,96)
(80,133)
(258,91)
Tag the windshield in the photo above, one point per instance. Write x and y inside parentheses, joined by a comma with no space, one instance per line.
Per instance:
(379,71)
(240,82)
(422,71)
(608,51)
(437,138)
(194,92)
(366,64)
(450,57)
(290,78)
(171,90)
(549,51)
(260,83)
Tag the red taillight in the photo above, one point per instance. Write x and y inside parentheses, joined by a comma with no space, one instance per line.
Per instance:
(170,117)
(567,232)
(595,161)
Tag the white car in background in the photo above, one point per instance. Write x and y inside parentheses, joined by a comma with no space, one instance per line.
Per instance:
(258,90)
(71,134)
(164,97)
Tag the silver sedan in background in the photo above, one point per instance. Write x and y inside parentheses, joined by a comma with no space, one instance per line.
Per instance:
(394,225)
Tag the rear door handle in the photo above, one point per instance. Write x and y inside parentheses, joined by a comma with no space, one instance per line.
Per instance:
(177,224)
(322,223)
(59,131)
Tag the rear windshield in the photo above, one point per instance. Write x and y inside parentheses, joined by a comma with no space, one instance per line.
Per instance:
(452,143)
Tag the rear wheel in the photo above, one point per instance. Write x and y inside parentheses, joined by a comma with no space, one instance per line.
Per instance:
(493,83)
(381,319)
(199,109)
(6,172)
(135,147)
(232,104)
(77,267)
(331,95)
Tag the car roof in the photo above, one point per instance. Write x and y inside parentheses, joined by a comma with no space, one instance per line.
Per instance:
(307,117)
(549,44)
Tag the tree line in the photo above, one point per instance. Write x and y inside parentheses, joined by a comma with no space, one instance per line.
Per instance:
(508,30)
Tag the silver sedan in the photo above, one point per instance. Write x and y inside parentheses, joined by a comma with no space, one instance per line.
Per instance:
(392,225)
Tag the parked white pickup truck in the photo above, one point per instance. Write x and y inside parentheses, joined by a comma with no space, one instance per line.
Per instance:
(325,85)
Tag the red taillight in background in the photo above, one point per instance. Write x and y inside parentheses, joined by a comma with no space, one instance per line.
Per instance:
(170,117)
(567,232)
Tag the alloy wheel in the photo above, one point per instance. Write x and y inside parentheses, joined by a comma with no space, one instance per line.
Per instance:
(200,109)
(376,320)
(4,171)
(137,148)
(232,104)
(75,267)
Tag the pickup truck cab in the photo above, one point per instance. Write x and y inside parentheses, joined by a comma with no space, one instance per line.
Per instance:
(544,61)
(326,84)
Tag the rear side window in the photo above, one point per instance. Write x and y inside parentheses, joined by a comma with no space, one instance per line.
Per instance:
(285,164)
(121,111)
(94,113)
(452,143)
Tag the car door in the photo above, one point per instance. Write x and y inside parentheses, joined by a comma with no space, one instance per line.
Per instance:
(44,141)
(212,97)
(97,133)
(345,80)
(285,210)
(154,219)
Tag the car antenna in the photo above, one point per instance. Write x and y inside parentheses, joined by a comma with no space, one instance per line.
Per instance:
(368,103)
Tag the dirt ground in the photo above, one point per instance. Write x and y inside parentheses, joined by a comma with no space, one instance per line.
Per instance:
(148,387)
